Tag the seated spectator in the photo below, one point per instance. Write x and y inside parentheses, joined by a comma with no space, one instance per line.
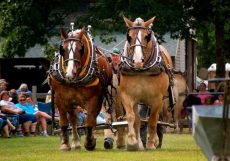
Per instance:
(220,88)
(13,96)
(26,104)
(25,120)
(4,130)
(208,100)
(23,89)
(189,101)
(3,85)
(9,126)
(203,93)
(219,100)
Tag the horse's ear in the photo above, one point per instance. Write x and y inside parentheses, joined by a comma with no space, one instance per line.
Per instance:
(83,30)
(148,23)
(128,22)
(64,35)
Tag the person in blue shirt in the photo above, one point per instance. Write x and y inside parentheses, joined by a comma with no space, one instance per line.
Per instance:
(29,109)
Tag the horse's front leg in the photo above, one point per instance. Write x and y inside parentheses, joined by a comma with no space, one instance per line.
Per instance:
(94,107)
(121,132)
(63,123)
(152,130)
(132,142)
(137,126)
(76,144)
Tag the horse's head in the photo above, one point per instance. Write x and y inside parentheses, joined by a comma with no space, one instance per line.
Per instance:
(72,50)
(141,41)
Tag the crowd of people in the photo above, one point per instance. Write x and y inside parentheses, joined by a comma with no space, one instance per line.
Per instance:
(203,96)
(18,105)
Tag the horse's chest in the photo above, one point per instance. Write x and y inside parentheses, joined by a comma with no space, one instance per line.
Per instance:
(144,85)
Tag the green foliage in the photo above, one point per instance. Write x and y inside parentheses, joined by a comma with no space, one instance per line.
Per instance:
(206,47)
(108,15)
(49,51)
(26,23)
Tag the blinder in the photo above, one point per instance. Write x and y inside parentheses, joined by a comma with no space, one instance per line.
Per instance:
(148,37)
(61,50)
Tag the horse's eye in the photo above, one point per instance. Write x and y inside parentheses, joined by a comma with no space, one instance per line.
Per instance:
(82,50)
(148,37)
(61,50)
(128,37)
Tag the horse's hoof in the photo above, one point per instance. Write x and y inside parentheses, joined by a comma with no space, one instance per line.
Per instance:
(90,145)
(158,146)
(76,145)
(133,147)
(121,146)
(108,143)
(65,147)
(151,145)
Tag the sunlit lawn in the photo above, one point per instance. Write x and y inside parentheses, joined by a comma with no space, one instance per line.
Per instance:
(176,147)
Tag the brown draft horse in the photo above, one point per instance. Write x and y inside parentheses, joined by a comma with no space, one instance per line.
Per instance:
(79,76)
(143,79)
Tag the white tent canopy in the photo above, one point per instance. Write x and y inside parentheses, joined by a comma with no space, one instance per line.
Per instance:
(213,67)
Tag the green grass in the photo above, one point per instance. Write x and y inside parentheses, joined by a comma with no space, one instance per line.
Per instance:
(176,147)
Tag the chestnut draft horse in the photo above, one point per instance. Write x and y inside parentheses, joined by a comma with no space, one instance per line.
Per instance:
(79,76)
(144,78)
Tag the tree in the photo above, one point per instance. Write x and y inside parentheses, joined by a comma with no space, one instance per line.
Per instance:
(211,21)
(26,23)
(108,15)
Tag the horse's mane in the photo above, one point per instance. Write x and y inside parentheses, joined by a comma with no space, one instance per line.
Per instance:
(74,33)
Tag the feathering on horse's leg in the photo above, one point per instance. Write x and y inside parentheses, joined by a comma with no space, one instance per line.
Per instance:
(121,132)
(137,127)
(132,142)
(93,109)
(64,123)
(76,144)
(152,130)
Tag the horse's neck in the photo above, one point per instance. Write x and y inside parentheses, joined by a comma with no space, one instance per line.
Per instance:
(166,57)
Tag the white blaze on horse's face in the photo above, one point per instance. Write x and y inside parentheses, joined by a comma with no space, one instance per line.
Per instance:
(138,54)
(70,71)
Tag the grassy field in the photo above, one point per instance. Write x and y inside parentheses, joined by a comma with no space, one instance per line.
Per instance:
(176,147)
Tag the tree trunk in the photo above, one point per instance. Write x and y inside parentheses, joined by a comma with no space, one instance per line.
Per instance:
(220,52)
